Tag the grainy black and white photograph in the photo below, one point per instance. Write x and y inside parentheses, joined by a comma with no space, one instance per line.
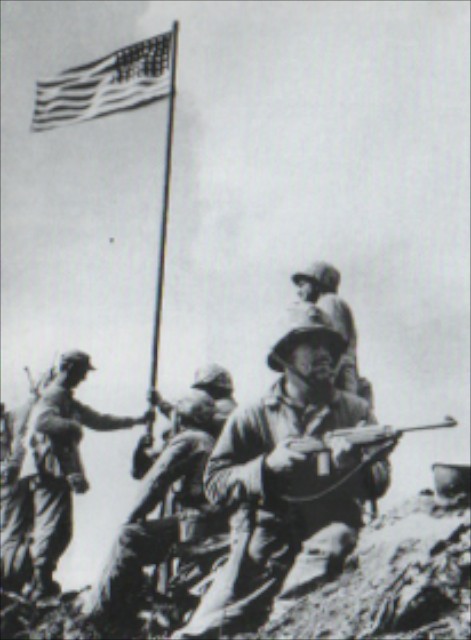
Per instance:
(235,320)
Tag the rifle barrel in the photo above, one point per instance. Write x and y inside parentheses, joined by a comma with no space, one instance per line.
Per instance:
(446,424)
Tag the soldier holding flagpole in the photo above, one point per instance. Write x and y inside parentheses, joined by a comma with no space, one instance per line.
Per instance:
(127,79)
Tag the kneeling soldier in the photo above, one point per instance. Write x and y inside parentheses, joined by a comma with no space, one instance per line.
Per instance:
(290,530)
(147,541)
(217,381)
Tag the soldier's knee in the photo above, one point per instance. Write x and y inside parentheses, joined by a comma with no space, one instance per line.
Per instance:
(334,541)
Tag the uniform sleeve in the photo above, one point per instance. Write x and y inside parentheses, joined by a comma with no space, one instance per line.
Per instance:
(174,462)
(224,408)
(235,468)
(342,318)
(100,421)
(48,420)
(377,475)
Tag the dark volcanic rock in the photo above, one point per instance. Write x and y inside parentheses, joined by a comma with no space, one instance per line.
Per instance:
(409,579)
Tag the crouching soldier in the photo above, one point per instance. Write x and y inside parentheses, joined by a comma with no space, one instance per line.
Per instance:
(291,530)
(146,541)
(51,469)
(217,382)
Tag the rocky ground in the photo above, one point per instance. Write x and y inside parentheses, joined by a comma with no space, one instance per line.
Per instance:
(409,579)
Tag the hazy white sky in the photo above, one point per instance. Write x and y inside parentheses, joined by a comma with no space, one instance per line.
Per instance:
(304,130)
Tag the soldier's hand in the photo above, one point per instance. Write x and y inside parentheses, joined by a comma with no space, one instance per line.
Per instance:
(283,457)
(145,442)
(153,397)
(344,453)
(147,417)
(78,483)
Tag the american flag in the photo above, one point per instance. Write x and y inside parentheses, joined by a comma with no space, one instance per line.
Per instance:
(126,79)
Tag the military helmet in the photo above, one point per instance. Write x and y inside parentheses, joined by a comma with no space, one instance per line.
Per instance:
(213,375)
(326,275)
(304,319)
(197,406)
(76,357)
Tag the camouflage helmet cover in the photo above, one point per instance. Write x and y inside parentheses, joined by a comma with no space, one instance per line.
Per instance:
(197,405)
(323,273)
(78,358)
(213,375)
(305,319)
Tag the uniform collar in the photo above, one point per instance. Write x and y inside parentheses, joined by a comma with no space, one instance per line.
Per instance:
(277,396)
(59,384)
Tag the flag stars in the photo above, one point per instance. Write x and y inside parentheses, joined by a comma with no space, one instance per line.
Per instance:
(148,59)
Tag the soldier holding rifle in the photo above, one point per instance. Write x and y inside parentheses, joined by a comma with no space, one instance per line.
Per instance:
(282,543)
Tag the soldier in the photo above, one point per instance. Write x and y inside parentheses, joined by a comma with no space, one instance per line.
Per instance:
(145,540)
(284,538)
(217,382)
(52,469)
(318,284)
(15,560)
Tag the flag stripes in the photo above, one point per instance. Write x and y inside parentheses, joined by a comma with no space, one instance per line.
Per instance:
(127,79)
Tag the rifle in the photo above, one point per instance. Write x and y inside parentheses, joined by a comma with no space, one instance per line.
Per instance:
(380,438)
(367,436)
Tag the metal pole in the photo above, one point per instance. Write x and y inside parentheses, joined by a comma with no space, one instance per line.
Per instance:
(163,226)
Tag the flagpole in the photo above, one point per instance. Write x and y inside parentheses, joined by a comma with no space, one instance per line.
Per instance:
(163,226)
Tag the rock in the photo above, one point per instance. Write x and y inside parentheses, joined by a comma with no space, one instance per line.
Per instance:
(408,579)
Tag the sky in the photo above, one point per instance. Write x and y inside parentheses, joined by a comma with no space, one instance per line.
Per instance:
(303,131)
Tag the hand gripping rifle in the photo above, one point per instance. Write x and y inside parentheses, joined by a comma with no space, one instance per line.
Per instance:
(325,479)
(379,438)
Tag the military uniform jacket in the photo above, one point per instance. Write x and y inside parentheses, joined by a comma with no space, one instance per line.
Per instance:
(180,466)
(52,426)
(236,469)
(342,319)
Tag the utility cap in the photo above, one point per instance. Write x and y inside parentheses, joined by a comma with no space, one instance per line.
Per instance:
(76,357)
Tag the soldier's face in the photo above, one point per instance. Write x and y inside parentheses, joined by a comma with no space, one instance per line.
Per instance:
(76,375)
(308,291)
(312,358)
